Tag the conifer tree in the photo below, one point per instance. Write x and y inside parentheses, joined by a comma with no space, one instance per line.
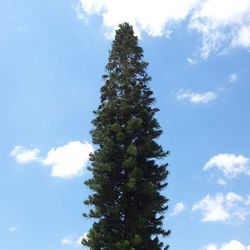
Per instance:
(126,201)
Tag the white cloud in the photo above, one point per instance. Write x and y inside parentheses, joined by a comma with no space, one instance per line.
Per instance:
(221,182)
(191,60)
(66,161)
(66,241)
(231,165)
(69,241)
(222,24)
(242,39)
(178,208)
(203,97)
(12,229)
(73,242)
(209,247)
(233,77)
(223,208)
(24,155)
(232,245)
(156,18)
(196,98)
(79,13)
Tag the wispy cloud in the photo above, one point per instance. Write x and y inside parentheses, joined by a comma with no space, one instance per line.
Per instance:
(231,245)
(195,97)
(66,161)
(25,155)
(223,208)
(191,60)
(69,241)
(208,96)
(233,77)
(221,182)
(178,208)
(12,229)
(73,242)
(230,165)
(243,36)
(222,24)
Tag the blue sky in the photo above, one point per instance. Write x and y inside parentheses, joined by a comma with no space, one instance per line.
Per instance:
(53,55)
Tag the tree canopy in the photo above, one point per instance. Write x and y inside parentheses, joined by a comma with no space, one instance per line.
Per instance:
(127,179)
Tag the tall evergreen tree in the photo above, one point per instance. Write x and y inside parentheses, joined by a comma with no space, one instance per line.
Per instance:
(126,202)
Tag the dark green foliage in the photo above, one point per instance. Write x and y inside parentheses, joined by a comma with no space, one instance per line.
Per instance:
(126,201)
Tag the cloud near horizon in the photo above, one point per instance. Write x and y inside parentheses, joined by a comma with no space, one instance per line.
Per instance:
(66,161)
(222,24)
